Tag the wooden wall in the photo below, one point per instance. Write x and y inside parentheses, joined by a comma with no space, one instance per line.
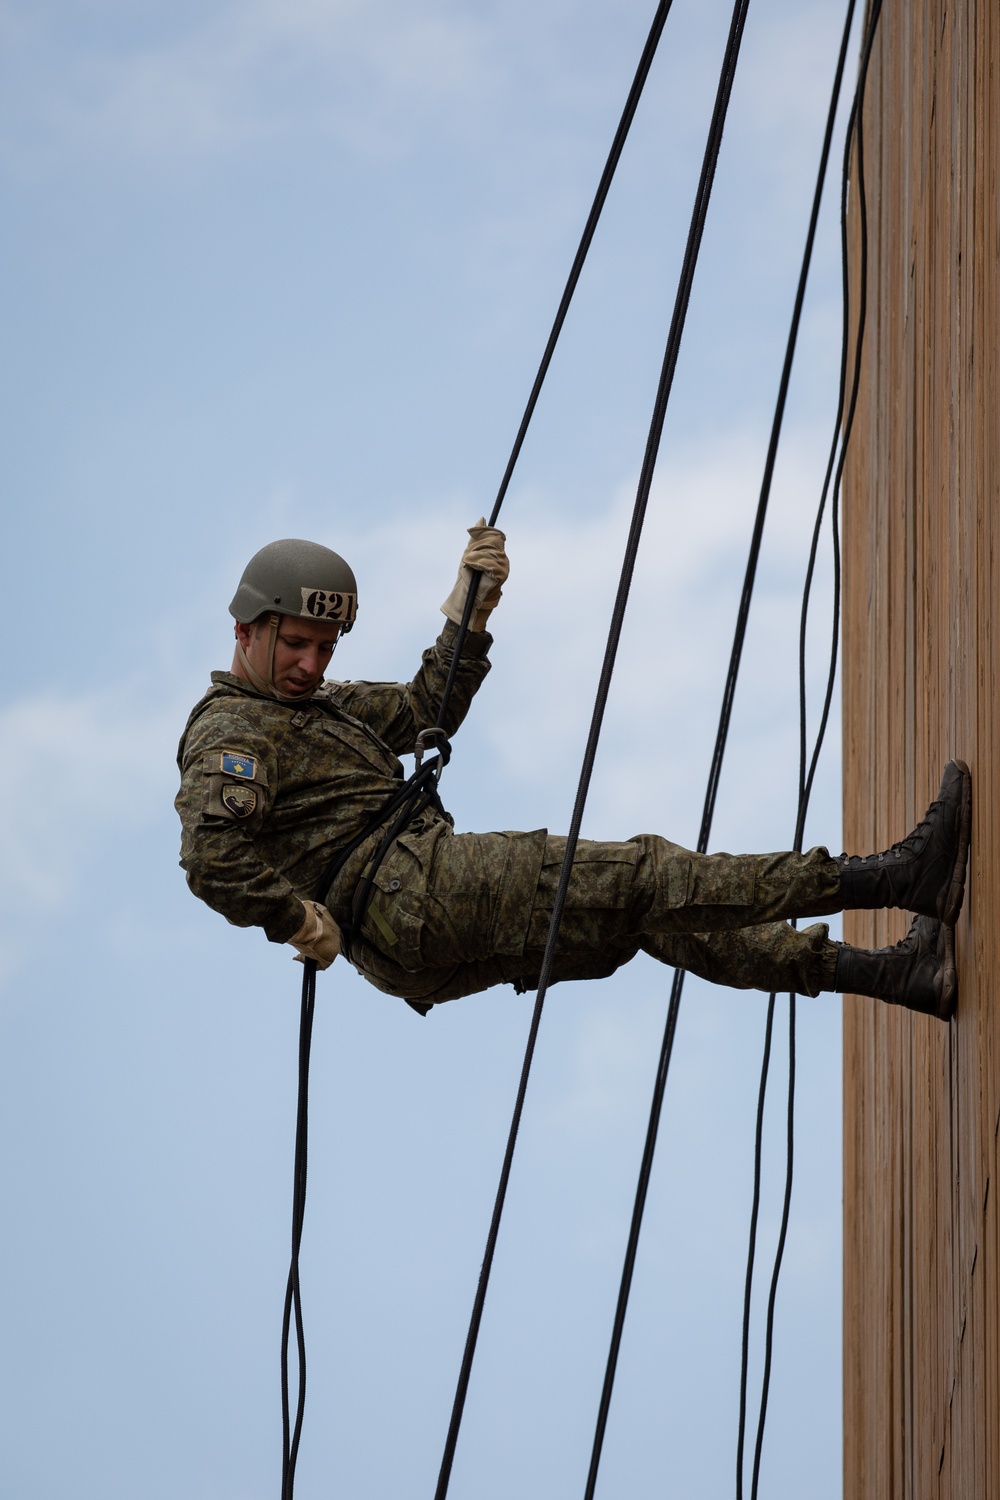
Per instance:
(922,683)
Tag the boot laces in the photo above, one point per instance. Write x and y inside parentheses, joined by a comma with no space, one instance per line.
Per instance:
(921,928)
(913,843)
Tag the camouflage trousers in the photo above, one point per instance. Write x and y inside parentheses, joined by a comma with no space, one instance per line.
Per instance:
(452,914)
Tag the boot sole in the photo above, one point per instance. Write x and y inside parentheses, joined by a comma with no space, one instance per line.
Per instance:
(955,892)
(947,1002)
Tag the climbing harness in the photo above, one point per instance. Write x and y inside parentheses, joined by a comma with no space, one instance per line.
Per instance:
(420,789)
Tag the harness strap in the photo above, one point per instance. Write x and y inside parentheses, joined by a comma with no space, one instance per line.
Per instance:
(416,794)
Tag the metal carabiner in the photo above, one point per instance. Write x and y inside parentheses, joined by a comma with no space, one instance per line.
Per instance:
(420,745)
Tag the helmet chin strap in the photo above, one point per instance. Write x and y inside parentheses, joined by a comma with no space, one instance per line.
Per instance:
(266,684)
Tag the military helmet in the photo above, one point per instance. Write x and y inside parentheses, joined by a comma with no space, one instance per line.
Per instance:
(298,578)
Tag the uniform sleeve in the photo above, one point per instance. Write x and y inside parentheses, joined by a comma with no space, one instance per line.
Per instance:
(398,711)
(229,777)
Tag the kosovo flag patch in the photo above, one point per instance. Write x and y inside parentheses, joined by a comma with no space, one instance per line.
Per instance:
(234,764)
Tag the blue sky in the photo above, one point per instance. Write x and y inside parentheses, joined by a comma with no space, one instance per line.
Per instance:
(286,269)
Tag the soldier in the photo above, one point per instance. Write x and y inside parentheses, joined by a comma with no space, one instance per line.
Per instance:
(284,775)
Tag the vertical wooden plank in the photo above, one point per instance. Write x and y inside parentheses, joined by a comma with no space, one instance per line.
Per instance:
(921,682)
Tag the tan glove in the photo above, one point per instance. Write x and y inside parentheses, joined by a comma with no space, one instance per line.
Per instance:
(318,937)
(485,553)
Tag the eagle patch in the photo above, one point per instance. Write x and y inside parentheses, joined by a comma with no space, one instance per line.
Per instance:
(239,800)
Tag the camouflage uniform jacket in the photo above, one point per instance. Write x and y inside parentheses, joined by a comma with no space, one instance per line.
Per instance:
(270,791)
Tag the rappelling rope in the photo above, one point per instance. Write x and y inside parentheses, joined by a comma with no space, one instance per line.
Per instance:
(293,1301)
(834,473)
(417,785)
(715,770)
(600,198)
(695,232)
(414,794)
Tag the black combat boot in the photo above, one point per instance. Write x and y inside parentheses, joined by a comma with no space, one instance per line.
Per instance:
(925,872)
(919,972)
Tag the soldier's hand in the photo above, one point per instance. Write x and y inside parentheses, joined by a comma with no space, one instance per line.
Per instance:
(485,555)
(319,936)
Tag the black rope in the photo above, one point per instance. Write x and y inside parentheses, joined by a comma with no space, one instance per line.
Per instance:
(291,1436)
(293,1296)
(715,769)
(769,1026)
(417,786)
(607,176)
(682,300)
(786,1208)
(834,475)
(752,1248)
(589,229)
(732,675)
(409,801)
(413,795)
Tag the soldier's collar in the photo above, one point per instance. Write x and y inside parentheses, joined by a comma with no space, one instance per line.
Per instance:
(228,682)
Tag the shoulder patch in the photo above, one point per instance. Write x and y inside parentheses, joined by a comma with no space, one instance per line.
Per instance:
(240,800)
(232,763)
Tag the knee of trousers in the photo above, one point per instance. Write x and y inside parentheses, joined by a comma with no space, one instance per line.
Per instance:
(675,887)
(771,956)
(679,890)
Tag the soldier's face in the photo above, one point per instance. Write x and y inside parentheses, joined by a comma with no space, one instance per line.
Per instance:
(302,652)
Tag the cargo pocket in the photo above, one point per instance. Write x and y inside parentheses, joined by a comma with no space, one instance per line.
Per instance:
(725,880)
(395,917)
(598,898)
(516,889)
(442,898)
(681,878)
